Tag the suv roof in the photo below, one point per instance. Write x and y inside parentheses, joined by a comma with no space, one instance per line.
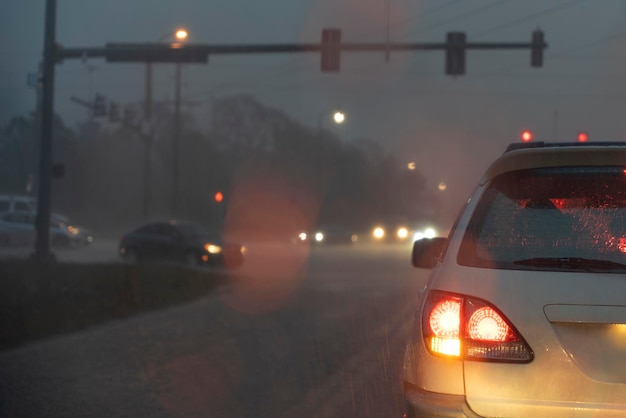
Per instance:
(520,156)
(525,145)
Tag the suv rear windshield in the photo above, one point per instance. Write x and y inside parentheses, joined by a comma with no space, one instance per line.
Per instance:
(566,218)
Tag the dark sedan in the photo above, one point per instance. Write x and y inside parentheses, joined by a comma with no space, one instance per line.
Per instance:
(183,242)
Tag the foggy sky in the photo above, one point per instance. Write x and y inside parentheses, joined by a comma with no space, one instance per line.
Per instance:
(451,127)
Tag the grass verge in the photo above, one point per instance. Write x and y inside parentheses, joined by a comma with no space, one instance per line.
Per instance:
(42,299)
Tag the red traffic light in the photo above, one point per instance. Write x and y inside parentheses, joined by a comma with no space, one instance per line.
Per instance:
(582,137)
(527,136)
(219,196)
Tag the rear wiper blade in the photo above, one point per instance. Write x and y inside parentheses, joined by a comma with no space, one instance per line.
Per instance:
(587,264)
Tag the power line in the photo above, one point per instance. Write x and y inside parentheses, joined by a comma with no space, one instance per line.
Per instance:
(371,67)
(561,53)
(526,18)
(277,69)
(455,18)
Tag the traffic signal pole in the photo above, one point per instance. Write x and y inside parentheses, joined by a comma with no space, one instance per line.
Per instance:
(44,193)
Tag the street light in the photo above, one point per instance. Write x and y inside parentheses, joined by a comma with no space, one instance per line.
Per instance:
(338,118)
(181,34)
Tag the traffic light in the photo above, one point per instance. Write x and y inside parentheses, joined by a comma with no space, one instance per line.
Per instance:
(99,106)
(114,112)
(536,52)
(455,53)
(331,50)
(582,137)
(219,197)
(527,136)
(58,170)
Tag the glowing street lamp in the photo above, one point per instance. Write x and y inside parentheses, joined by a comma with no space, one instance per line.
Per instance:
(181,34)
(339,117)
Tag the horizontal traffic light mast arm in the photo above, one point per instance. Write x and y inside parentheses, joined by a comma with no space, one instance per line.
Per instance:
(433,46)
(126,52)
(64,53)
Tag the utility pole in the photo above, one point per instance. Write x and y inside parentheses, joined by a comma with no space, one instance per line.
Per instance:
(176,143)
(388,30)
(42,243)
(147,173)
(35,81)
(90,70)
(555,125)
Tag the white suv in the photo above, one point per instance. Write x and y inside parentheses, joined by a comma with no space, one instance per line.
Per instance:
(524,313)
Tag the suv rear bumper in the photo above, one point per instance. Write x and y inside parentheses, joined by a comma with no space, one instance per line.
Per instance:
(424,404)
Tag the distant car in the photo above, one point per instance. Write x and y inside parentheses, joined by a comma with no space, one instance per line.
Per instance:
(334,234)
(389,233)
(524,313)
(327,235)
(182,242)
(17,228)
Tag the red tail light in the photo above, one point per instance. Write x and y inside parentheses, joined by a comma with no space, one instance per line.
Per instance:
(471,329)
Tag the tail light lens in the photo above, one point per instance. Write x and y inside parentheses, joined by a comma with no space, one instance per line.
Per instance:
(467,328)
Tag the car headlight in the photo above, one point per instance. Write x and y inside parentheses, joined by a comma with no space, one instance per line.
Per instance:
(425,233)
(402,232)
(418,236)
(302,236)
(73,230)
(319,236)
(212,248)
(378,233)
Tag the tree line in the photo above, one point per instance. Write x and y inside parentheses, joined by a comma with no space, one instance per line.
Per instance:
(276,175)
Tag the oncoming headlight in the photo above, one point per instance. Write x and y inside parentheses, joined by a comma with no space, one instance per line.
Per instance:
(378,232)
(402,232)
(319,236)
(212,248)
(424,233)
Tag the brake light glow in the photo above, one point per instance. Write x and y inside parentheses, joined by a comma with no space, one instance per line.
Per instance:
(445,319)
(621,245)
(486,325)
(468,328)
(445,324)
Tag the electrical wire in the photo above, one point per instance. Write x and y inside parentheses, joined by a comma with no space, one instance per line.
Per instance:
(531,16)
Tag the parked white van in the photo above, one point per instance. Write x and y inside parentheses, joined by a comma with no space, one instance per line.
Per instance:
(11,202)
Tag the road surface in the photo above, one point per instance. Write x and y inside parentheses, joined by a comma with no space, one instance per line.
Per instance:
(275,342)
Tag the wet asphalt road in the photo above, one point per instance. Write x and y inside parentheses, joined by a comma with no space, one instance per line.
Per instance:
(306,334)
